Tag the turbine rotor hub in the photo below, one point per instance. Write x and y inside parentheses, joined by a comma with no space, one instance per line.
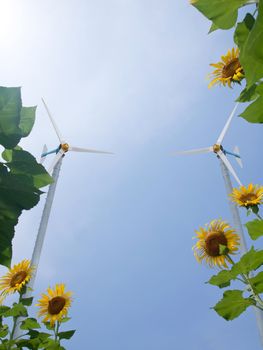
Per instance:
(65,147)
(217,148)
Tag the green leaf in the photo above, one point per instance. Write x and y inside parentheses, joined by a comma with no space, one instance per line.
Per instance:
(223,13)
(30,323)
(257,282)
(243,29)
(27,120)
(3,331)
(10,106)
(222,279)
(3,309)
(232,304)
(19,190)
(27,301)
(250,261)
(251,54)
(212,28)
(40,335)
(65,319)
(255,228)
(254,112)
(248,94)
(24,163)
(16,310)
(66,335)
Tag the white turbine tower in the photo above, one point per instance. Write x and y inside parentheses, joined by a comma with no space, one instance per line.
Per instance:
(60,151)
(226,169)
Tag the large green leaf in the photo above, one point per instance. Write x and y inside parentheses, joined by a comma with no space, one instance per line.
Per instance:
(30,323)
(257,282)
(232,304)
(222,279)
(27,120)
(223,13)
(254,112)
(248,94)
(16,310)
(19,190)
(243,29)
(66,335)
(10,106)
(251,52)
(250,261)
(16,121)
(22,162)
(255,228)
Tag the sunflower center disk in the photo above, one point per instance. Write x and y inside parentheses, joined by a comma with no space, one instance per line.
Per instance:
(229,70)
(55,305)
(247,198)
(18,278)
(213,241)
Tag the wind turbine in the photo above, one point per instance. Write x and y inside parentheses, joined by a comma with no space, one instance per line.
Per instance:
(226,169)
(55,166)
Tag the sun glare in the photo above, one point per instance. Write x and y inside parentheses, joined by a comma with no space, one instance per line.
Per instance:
(8,23)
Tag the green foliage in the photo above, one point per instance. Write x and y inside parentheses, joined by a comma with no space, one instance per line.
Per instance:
(222,279)
(223,13)
(3,331)
(66,335)
(15,121)
(21,177)
(257,283)
(248,36)
(232,304)
(251,52)
(26,301)
(16,311)
(254,112)
(250,261)
(255,228)
(30,323)
(33,337)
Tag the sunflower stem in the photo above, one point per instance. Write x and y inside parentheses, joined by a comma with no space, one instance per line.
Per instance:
(56,331)
(259,216)
(15,319)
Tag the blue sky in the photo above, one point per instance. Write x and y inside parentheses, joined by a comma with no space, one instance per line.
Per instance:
(128,76)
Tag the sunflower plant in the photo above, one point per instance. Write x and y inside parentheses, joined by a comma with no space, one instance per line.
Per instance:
(245,62)
(53,306)
(217,245)
(250,198)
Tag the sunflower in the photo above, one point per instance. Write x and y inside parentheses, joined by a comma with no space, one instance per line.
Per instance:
(227,71)
(248,196)
(55,304)
(16,278)
(211,239)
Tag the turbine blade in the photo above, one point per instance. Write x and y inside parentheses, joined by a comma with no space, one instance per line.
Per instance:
(194,151)
(53,122)
(229,166)
(43,156)
(239,160)
(88,150)
(225,128)
(55,160)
